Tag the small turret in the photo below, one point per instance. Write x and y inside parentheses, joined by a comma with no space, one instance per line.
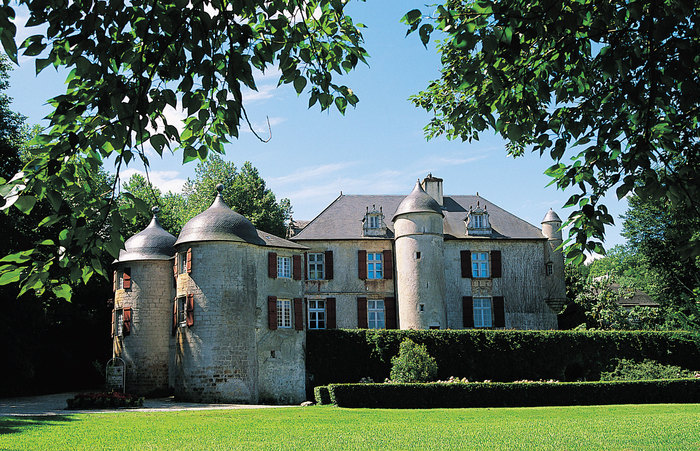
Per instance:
(555,287)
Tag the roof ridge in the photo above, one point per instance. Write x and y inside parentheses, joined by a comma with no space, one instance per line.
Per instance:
(318,215)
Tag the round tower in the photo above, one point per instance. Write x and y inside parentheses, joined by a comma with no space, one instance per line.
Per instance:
(214,315)
(143,302)
(420,262)
(555,286)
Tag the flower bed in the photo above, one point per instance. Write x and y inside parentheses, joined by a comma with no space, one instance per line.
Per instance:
(103,400)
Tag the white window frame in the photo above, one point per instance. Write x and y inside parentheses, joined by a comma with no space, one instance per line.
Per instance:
(120,280)
(284,267)
(316,314)
(119,322)
(482,309)
(284,313)
(182,311)
(375,267)
(376,317)
(182,262)
(374,222)
(480,265)
(316,266)
(477,221)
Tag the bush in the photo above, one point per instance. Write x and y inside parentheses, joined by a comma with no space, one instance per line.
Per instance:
(629,370)
(103,401)
(321,395)
(340,356)
(496,394)
(413,363)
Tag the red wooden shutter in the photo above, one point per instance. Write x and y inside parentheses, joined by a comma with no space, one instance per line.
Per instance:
(272,311)
(390,312)
(298,315)
(127,321)
(467,311)
(330,313)
(362,313)
(114,282)
(113,322)
(328,261)
(306,271)
(388,264)
(466,263)
(127,278)
(189,260)
(296,267)
(362,264)
(189,311)
(174,317)
(495,263)
(499,312)
(272,267)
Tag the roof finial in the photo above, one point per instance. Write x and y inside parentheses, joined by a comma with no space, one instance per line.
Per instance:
(220,188)
(155,210)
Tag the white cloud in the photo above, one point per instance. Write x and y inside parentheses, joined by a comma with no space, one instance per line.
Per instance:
(308,174)
(261,128)
(264,92)
(163,180)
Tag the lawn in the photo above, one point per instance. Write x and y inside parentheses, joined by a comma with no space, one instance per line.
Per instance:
(661,426)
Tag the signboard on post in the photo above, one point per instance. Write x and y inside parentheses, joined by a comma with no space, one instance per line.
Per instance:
(115,373)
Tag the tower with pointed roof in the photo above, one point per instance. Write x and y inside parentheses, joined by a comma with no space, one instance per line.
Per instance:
(420,264)
(143,301)
(555,287)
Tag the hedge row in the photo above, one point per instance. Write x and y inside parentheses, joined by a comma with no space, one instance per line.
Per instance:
(338,356)
(498,394)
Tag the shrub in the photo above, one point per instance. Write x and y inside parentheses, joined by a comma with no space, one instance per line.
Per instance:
(497,394)
(629,370)
(103,401)
(321,395)
(413,363)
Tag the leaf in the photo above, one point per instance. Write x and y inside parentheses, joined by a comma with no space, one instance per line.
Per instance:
(25,203)
(299,84)
(10,276)
(63,291)
(424,32)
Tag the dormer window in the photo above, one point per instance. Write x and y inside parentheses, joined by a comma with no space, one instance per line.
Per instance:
(477,221)
(373,222)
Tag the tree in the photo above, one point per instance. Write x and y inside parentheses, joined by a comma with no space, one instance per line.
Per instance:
(128,63)
(608,88)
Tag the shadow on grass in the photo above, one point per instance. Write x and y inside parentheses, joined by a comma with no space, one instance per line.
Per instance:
(12,425)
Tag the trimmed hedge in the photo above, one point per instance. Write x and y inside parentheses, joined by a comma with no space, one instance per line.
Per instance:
(497,394)
(321,395)
(338,356)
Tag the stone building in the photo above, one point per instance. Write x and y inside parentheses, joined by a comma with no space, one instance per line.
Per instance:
(220,313)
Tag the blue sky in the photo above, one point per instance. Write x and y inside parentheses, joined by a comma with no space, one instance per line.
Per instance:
(376,148)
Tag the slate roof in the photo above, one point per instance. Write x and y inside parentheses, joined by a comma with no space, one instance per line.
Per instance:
(152,243)
(275,241)
(342,219)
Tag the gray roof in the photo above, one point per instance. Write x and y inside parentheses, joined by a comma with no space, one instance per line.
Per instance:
(275,241)
(551,216)
(152,243)
(219,223)
(342,219)
(418,202)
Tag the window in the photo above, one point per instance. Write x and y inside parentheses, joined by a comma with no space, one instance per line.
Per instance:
(374,222)
(182,311)
(480,264)
(119,323)
(284,267)
(482,312)
(477,221)
(284,313)
(315,264)
(120,280)
(375,314)
(182,263)
(374,265)
(317,314)
(549,269)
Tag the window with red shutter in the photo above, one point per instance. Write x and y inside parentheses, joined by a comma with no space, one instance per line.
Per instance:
(175,271)
(189,312)
(495,263)
(114,319)
(499,312)
(174,317)
(126,327)
(468,311)
(126,275)
(272,309)
(362,265)
(362,313)
(114,282)
(296,267)
(298,315)
(189,260)
(330,313)
(390,309)
(328,257)
(272,267)
(388,265)
(466,264)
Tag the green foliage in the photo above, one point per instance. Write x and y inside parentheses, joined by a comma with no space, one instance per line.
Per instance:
(103,401)
(339,356)
(608,89)
(413,363)
(128,64)
(321,395)
(460,395)
(630,370)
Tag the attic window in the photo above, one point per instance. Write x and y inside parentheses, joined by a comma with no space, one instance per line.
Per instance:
(477,221)
(373,222)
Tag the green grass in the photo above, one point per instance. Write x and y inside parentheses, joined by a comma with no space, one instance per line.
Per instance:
(660,426)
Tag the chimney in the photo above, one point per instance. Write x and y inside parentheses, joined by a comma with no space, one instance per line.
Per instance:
(433,186)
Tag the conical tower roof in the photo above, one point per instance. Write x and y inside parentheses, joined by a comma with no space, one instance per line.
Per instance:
(551,216)
(219,223)
(418,202)
(152,243)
